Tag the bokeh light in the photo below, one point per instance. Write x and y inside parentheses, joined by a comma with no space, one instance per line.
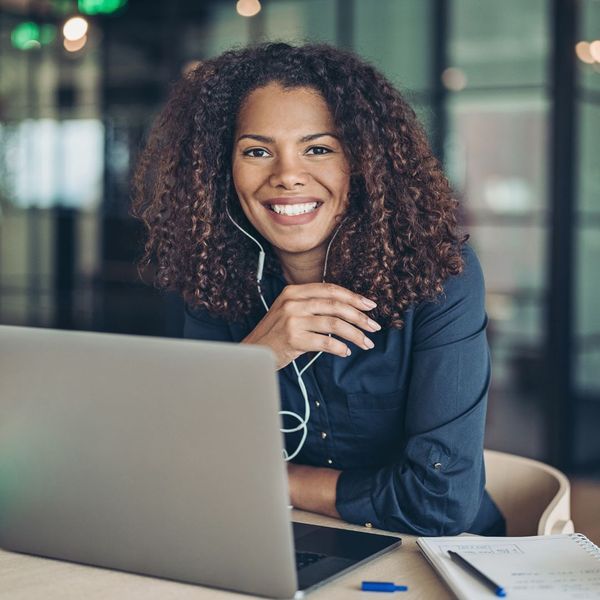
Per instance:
(582,49)
(75,28)
(454,79)
(248,8)
(74,45)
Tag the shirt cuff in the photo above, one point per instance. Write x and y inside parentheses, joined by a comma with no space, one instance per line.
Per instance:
(353,498)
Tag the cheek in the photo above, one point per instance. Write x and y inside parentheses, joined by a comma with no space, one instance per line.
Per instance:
(339,184)
(246,181)
(244,186)
(337,178)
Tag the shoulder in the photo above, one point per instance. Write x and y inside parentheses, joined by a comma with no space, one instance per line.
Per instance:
(468,283)
(459,309)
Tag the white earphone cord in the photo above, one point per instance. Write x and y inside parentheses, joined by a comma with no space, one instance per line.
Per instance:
(302,423)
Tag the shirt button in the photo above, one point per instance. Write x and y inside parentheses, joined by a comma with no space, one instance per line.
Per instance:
(437,466)
(317,403)
(329,461)
(369,525)
(323,434)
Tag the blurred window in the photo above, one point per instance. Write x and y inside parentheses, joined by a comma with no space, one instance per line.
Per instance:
(587,221)
(50,162)
(500,43)
(496,154)
(397,38)
(297,21)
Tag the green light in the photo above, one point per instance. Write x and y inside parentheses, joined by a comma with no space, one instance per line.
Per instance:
(94,7)
(31,35)
(25,36)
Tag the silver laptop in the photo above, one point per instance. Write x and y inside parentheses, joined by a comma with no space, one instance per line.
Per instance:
(156,456)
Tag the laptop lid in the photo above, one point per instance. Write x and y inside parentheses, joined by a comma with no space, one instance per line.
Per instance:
(151,455)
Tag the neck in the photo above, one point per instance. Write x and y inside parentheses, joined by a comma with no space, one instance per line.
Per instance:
(299,269)
(304,268)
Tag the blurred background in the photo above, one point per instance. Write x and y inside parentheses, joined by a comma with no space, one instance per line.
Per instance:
(509,93)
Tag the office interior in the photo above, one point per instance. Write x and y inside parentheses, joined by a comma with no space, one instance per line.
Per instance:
(509,93)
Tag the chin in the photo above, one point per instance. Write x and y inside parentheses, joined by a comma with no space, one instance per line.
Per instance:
(296,248)
(302,244)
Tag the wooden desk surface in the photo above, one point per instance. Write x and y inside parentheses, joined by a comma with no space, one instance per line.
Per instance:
(24,577)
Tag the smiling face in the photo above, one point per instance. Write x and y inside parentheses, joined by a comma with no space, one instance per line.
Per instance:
(286,151)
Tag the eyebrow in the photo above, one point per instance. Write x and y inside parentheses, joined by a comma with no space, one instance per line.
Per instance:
(270,140)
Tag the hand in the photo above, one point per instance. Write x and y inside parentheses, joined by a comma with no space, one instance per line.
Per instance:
(302,316)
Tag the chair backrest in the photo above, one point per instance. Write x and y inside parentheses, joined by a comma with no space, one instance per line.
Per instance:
(534,498)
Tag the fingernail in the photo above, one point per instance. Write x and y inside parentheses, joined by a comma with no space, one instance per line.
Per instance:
(348,352)
(368,342)
(374,324)
(369,303)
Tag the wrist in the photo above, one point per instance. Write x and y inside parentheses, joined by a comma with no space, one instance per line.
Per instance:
(313,488)
(278,363)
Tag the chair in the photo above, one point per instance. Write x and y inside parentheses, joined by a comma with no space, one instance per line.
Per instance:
(534,498)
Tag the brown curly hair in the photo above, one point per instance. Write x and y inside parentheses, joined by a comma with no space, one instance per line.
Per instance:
(399,240)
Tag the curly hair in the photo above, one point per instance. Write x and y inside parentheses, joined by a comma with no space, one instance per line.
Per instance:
(399,239)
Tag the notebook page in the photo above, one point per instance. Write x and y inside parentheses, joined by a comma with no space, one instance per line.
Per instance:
(529,568)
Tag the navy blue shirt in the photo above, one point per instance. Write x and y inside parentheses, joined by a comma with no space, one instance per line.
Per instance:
(404,421)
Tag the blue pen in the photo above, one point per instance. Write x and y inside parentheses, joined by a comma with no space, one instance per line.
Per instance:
(465,564)
(382,586)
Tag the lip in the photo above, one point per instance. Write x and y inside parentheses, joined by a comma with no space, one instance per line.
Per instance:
(291,200)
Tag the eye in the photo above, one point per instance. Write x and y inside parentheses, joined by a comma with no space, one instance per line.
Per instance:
(327,150)
(247,152)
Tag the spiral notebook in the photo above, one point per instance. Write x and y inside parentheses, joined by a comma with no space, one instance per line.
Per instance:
(542,567)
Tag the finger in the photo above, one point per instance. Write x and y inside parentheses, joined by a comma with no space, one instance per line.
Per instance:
(327,290)
(329,306)
(340,328)
(315,342)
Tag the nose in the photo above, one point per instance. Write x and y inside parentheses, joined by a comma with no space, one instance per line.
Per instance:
(288,171)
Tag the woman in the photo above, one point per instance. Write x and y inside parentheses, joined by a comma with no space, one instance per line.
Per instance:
(308,160)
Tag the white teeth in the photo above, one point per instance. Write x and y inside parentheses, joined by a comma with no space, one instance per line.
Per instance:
(294,209)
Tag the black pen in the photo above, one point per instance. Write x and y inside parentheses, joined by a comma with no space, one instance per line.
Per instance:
(465,564)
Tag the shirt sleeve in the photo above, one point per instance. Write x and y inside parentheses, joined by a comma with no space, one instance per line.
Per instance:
(198,324)
(435,487)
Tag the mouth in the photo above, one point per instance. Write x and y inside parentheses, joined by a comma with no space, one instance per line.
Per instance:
(294,210)
(296,214)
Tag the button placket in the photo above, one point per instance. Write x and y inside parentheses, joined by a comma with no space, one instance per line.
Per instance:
(327,450)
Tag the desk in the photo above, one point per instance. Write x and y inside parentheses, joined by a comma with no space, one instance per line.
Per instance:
(26,577)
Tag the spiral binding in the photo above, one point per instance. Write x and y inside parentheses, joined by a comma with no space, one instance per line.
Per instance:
(583,542)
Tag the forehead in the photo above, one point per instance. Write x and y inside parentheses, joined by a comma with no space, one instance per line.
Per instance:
(271,108)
